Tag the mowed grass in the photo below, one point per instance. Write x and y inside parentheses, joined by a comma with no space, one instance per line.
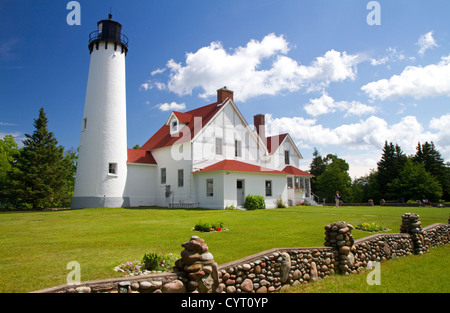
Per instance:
(428,273)
(37,246)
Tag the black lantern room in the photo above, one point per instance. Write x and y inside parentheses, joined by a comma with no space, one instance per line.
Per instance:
(108,31)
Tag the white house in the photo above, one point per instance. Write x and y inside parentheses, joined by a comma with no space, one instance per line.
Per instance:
(208,157)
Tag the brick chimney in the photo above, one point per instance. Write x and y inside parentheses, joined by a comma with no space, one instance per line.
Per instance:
(223,94)
(260,125)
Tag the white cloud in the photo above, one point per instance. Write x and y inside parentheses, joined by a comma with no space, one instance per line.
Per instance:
(173,106)
(392,56)
(158,71)
(150,85)
(415,81)
(326,104)
(442,141)
(366,134)
(426,41)
(242,69)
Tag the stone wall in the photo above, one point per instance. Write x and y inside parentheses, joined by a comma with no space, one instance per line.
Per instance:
(275,269)
(272,269)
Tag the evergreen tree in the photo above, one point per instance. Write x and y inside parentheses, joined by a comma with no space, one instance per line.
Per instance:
(389,168)
(8,152)
(416,183)
(431,159)
(316,168)
(39,177)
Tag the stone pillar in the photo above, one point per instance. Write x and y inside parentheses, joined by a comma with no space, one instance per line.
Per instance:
(411,224)
(198,263)
(339,237)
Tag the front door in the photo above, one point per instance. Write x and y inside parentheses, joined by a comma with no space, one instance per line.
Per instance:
(240,189)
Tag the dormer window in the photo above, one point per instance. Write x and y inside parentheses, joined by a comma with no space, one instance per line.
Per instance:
(174,128)
(174,125)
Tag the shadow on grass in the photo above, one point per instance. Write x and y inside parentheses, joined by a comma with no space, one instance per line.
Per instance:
(167,209)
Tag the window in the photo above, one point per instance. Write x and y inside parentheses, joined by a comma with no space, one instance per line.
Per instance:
(286,157)
(163,176)
(174,126)
(209,188)
(219,146)
(290,184)
(180,178)
(237,148)
(84,123)
(112,168)
(268,188)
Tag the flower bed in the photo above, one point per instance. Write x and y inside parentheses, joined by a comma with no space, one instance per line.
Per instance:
(150,264)
(371,227)
(209,227)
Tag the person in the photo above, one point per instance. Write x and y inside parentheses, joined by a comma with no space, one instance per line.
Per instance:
(337,198)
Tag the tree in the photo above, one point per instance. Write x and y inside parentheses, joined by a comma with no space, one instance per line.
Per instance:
(431,159)
(8,152)
(334,178)
(316,168)
(39,176)
(416,183)
(389,168)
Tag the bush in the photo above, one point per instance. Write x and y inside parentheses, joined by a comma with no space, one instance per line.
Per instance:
(254,202)
(281,204)
(159,262)
(230,207)
(207,227)
(151,260)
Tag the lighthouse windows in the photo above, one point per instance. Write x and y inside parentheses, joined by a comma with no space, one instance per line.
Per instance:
(112,171)
(84,123)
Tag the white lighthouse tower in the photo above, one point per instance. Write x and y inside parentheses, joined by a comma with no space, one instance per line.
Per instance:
(102,158)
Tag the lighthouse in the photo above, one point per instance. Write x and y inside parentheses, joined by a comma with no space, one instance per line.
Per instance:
(102,158)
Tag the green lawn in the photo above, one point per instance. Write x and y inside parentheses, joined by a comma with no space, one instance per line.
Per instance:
(428,273)
(36,246)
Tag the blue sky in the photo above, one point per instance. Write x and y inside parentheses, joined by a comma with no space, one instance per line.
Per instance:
(316,68)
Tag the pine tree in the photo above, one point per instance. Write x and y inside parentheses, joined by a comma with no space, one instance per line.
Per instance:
(389,167)
(416,183)
(8,152)
(431,159)
(316,168)
(38,179)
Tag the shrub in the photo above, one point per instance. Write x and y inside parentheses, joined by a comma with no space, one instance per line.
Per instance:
(151,260)
(159,262)
(230,207)
(254,202)
(207,227)
(281,204)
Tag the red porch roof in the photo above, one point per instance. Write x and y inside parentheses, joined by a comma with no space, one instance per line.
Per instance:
(237,166)
(291,170)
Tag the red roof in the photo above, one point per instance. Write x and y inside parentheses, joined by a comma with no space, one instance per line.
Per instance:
(183,117)
(295,171)
(163,138)
(140,156)
(274,142)
(233,165)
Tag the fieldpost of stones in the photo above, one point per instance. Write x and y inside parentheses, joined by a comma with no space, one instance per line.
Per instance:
(339,237)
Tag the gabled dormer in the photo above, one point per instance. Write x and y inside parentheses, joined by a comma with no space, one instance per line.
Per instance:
(177,121)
